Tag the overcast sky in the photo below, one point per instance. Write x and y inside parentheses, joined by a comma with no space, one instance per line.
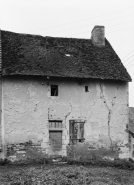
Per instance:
(76,18)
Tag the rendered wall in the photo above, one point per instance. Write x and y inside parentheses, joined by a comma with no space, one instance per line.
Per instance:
(28,106)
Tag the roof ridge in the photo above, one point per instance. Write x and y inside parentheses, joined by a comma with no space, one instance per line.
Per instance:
(29,34)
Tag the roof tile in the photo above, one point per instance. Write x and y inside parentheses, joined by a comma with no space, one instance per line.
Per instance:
(25,54)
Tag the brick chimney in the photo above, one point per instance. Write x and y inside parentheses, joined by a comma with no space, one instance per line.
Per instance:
(98,36)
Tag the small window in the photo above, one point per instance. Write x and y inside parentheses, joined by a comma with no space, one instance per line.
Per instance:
(55,124)
(68,55)
(54,90)
(86,89)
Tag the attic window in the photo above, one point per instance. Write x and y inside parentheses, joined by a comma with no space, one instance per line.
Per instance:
(54,90)
(68,55)
(86,89)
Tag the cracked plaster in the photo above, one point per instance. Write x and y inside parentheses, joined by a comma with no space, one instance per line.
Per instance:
(28,106)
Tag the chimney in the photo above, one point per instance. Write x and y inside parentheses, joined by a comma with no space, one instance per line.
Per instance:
(98,36)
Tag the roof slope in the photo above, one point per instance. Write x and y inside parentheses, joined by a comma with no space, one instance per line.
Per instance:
(24,54)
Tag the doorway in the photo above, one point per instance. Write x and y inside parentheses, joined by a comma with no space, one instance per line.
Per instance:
(55,141)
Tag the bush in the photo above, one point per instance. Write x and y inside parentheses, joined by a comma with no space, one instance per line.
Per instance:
(118,163)
(4,162)
(28,161)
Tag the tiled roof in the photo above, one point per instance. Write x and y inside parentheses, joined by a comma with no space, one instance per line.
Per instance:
(24,54)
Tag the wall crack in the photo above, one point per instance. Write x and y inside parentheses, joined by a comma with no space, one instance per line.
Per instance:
(109,110)
(68,113)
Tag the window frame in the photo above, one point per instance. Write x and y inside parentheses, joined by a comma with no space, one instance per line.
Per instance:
(55,128)
(86,88)
(56,91)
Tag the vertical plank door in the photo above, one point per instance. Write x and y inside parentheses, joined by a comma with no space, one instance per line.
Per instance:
(55,140)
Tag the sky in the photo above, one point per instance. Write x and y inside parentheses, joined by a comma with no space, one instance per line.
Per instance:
(76,18)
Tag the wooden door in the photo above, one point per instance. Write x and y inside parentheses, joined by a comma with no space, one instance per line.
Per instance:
(55,140)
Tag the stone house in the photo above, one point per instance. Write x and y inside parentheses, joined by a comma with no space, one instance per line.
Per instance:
(56,93)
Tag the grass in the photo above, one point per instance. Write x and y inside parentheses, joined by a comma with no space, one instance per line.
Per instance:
(51,174)
(93,171)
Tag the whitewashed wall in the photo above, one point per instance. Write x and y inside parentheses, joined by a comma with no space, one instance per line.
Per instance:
(28,106)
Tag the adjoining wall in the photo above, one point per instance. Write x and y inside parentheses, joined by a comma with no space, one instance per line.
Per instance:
(131,131)
(28,106)
(1,125)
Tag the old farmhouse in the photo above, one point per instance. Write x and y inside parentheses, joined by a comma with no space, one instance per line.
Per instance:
(56,93)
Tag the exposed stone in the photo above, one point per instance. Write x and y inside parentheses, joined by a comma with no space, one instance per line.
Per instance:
(12,158)
(21,152)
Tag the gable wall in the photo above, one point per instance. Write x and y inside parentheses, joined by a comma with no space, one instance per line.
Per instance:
(28,106)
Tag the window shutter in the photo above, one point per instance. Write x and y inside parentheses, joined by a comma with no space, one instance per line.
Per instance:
(76,131)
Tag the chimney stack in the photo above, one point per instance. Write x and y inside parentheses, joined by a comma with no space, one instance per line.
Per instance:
(98,36)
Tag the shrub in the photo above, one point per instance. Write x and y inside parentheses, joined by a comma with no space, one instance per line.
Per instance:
(4,162)
(28,161)
(118,163)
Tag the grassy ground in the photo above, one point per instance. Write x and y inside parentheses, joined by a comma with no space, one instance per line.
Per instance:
(65,175)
